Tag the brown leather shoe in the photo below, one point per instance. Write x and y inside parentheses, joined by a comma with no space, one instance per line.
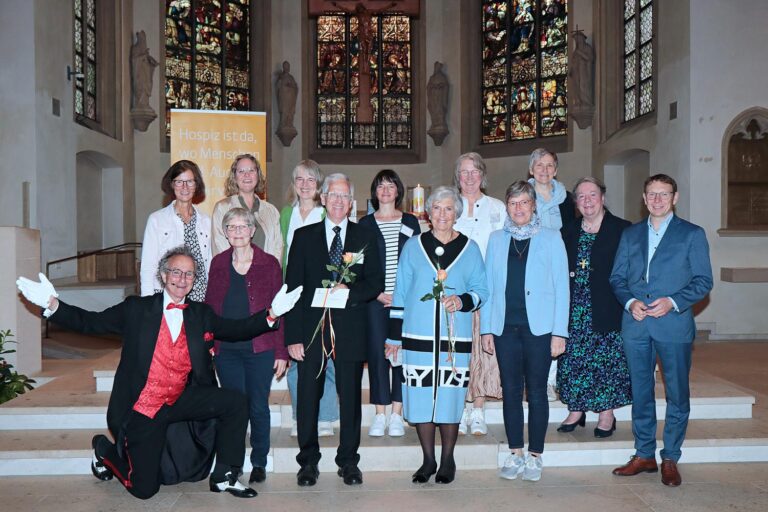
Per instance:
(637,465)
(669,474)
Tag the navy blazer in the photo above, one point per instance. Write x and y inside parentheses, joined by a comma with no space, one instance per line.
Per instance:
(369,221)
(377,322)
(606,310)
(680,269)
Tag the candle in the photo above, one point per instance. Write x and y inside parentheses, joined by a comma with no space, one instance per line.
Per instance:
(418,199)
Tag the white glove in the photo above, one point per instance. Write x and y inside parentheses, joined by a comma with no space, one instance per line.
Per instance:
(284,301)
(37,293)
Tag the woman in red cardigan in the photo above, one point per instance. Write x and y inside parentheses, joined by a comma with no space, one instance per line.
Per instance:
(243,279)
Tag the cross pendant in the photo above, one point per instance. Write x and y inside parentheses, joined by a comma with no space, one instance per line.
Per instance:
(583,264)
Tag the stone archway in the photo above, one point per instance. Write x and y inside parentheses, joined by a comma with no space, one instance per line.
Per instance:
(99,204)
(624,175)
(745,171)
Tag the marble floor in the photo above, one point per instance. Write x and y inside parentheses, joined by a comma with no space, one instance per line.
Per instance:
(715,487)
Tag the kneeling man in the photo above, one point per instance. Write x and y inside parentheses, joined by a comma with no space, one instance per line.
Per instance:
(165,375)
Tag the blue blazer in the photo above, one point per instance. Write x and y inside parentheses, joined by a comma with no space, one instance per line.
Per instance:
(547,295)
(680,269)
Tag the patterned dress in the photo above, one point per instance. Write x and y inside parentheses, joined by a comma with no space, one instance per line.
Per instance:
(592,373)
(190,240)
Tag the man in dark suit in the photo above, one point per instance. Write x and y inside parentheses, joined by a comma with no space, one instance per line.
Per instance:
(315,247)
(661,271)
(165,377)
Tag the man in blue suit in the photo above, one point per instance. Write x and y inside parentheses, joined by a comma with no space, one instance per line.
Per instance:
(661,271)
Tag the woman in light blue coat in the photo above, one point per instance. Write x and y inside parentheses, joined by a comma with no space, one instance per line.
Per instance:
(525,321)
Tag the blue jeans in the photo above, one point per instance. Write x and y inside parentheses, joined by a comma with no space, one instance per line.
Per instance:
(251,374)
(524,361)
(329,404)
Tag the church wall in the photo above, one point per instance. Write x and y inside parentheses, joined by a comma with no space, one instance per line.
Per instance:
(41,147)
(18,145)
(728,76)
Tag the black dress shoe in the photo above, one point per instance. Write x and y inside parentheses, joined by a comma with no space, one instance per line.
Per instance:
(258,474)
(98,468)
(307,475)
(570,427)
(605,433)
(231,485)
(446,473)
(351,474)
(421,476)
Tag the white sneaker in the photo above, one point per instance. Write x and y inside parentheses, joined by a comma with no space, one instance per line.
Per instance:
(551,393)
(477,422)
(464,421)
(294,429)
(378,425)
(396,427)
(532,469)
(513,466)
(324,428)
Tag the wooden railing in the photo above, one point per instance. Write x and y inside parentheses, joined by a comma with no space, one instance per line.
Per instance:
(104,264)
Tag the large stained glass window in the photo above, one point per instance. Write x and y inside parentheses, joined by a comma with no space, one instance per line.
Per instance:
(363,89)
(524,70)
(85,59)
(638,58)
(206,55)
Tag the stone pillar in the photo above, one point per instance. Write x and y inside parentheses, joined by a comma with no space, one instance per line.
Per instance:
(21,257)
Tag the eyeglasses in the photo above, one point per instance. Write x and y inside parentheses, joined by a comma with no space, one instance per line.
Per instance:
(184,183)
(465,173)
(243,172)
(177,273)
(236,228)
(309,181)
(661,195)
(523,203)
(335,196)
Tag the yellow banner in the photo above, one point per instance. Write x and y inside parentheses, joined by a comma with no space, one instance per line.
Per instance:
(212,139)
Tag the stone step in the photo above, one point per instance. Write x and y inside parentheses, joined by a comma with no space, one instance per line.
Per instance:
(737,406)
(67,452)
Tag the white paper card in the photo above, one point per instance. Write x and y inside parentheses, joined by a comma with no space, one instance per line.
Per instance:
(323,298)
(406,231)
(358,257)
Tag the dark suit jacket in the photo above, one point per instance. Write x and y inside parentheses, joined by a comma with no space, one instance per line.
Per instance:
(307,266)
(567,209)
(680,269)
(606,310)
(137,320)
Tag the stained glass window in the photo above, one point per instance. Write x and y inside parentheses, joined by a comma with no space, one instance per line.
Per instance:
(85,59)
(364,103)
(638,58)
(207,55)
(524,70)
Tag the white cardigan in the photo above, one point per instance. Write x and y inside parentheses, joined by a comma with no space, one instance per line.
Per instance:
(164,231)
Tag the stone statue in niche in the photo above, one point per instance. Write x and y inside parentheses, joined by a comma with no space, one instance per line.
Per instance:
(142,71)
(287,92)
(748,176)
(581,88)
(437,104)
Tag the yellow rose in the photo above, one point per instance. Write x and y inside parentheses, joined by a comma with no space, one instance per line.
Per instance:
(442,275)
(347,258)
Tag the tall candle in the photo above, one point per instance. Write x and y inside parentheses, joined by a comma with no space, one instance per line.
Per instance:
(418,199)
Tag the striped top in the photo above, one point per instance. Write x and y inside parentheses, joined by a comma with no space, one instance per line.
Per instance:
(391,232)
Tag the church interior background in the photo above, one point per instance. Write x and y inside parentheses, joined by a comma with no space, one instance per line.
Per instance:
(620,89)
